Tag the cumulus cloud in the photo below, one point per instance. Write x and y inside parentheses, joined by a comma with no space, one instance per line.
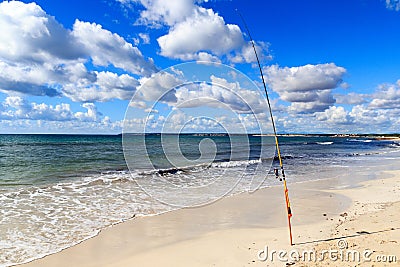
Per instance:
(212,39)
(377,112)
(374,119)
(18,113)
(173,89)
(29,34)
(160,87)
(335,115)
(106,48)
(387,97)
(38,56)
(106,86)
(304,78)
(221,94)
(184,43)
(308,87)
(311,107)
(32,47)
(165,12)
(17,108)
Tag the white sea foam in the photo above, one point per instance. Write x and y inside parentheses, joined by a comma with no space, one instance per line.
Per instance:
(236,163)
(360,140)
(38,221)
(324,143)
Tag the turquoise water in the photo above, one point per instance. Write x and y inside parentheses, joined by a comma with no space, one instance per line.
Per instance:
(44,159)
(57,190)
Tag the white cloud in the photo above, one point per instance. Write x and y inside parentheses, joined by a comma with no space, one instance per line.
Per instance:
(393,4)
(145,38)
(38,56)
(18,115)
(138,104)
(185,43)
(33,48)
(228,103)
(106,48)
(387,97)
(159,87)
(150,110)
(335,115)
(368,118)
(304,78)
(30,35)
(381,114)
(246,53)
(308,107)
(307,87)
(377,112)
(106,86)
(91,113)
(61,127)
(212,39)
(17,108)
(221,94)
(165,12)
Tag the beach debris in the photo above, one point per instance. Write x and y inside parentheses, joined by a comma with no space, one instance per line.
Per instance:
(344,214)
(324,214)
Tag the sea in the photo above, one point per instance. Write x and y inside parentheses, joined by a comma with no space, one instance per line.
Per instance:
(59,190)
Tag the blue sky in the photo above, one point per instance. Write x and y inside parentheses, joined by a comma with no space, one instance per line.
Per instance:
(74,66)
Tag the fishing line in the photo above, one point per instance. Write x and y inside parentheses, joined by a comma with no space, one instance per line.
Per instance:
(276,171)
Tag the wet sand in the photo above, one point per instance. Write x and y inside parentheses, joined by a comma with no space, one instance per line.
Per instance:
(233,231)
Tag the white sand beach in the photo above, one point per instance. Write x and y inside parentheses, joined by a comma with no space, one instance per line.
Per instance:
(233,231)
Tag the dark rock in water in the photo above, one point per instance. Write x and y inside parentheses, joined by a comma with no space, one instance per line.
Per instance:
(169,171)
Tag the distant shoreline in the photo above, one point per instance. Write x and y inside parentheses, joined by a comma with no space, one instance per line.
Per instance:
(389,137)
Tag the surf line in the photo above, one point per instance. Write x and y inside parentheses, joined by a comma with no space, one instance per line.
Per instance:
(276,171)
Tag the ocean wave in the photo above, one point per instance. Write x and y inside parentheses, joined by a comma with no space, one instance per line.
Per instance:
(325,143)
(360,140)
(235,163)
(197,167)
(64,214)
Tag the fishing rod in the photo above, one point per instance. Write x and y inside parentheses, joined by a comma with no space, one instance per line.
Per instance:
(276,171)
